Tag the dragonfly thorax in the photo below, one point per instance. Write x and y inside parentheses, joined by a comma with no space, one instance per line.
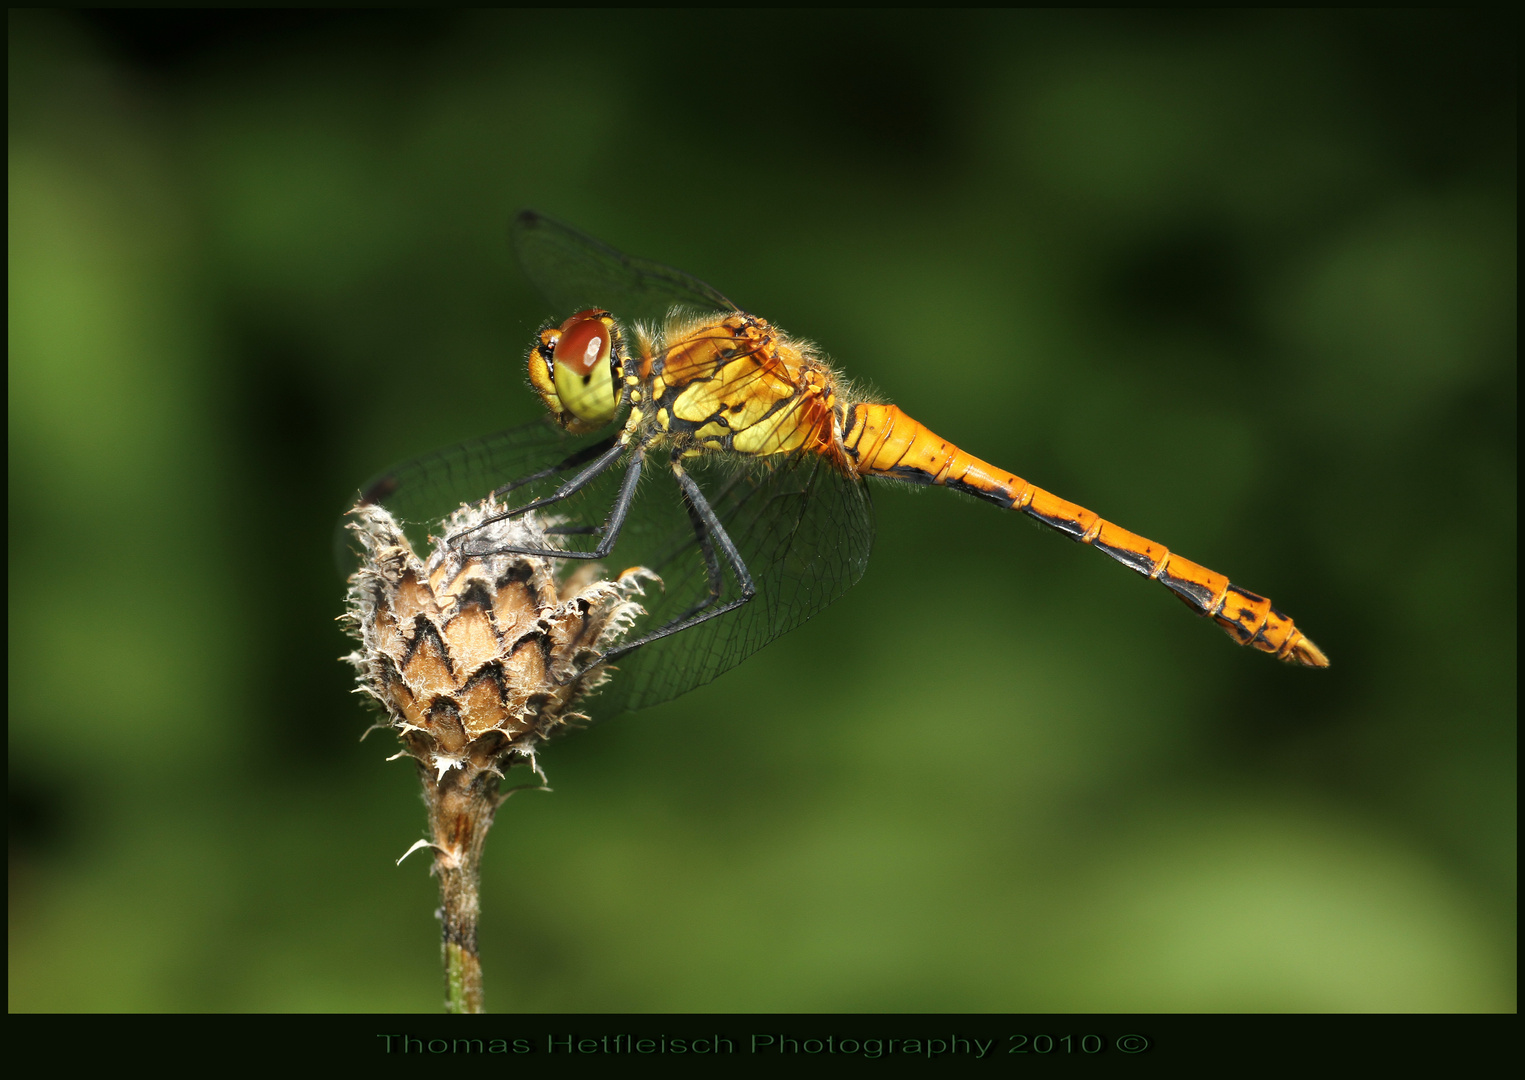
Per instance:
(577,369)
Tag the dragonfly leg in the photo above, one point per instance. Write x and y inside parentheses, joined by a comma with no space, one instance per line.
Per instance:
(711,563)
(612,524)
(710,534)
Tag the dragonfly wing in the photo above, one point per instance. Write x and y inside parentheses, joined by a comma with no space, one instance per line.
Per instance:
(803,529)
(574,271)
(420,493)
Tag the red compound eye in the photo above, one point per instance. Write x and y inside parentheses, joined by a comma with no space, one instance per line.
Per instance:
(585,313)
(584,344)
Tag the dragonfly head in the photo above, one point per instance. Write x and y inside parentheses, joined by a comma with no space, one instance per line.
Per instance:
(577,368)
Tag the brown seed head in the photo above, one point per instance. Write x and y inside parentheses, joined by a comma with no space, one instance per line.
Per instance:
(475,658)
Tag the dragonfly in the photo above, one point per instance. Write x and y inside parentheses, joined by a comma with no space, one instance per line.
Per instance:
(688,436)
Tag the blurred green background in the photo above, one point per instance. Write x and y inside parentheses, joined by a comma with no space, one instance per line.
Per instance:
(1241,283)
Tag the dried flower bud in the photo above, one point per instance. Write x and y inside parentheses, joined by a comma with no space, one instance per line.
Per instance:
(475,659)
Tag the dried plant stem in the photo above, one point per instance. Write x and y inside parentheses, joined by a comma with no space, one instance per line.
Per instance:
(461,810)
(463,973)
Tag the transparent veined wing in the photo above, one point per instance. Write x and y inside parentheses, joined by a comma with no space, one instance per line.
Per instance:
(423,491)
(804,530)
(573,271)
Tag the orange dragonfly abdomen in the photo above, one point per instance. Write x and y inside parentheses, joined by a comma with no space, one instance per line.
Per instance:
(881,440)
